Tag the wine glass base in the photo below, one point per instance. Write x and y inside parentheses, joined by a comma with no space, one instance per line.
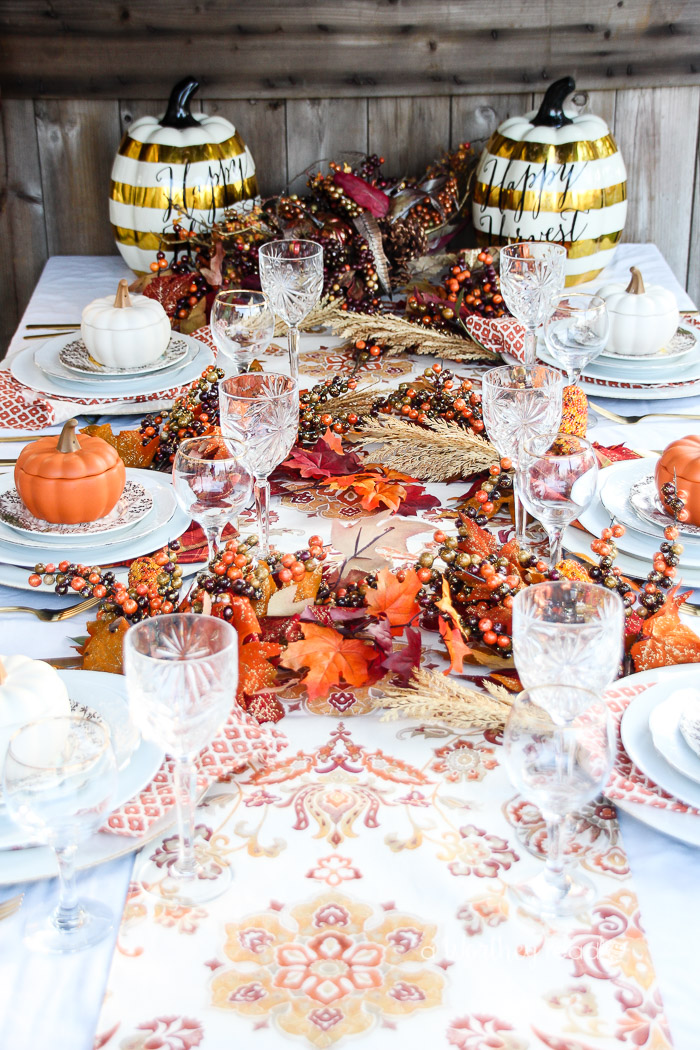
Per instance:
(541,897)
(211,879)
(95,921)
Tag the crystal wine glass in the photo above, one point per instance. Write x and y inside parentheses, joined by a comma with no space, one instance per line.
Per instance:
(212,484)
(259,411)
(557,476)
(576,332)
(291,275)
(181,674)
(532,276)
(518,401)
(60,779)
(566,632)
(559,766)
(242,326)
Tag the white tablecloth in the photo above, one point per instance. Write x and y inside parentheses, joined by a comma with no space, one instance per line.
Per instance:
(54,1002)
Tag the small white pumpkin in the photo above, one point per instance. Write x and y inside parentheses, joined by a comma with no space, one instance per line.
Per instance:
(29,689)
(642,320)
(126,331)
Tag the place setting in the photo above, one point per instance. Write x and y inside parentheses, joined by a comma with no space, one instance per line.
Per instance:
(125,350)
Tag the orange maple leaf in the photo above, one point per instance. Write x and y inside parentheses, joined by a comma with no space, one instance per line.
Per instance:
(396,600)
(666,640)
(445,604)
(329,659)
(456,646)
(103,649)
(255,672)
(379,487)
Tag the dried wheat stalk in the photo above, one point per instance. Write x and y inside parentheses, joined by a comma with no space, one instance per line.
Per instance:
(359,400)
(441,453)
(398,336)
(322,316)
(438,698)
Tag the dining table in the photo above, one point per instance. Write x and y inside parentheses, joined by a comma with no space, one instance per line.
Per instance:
(354,841)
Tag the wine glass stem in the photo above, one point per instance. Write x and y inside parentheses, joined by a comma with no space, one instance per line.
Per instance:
(293,344)
(555,533)
(530,345)
(554,865)
(262,507)
(67,915)
(213,534)
(519,516)
(185,776)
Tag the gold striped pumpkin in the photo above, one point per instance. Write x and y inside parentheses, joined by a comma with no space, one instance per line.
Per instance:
(184,166)
(547,176)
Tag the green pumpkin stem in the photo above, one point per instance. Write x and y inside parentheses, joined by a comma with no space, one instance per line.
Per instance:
(636,285)
(68,440)
(122,299)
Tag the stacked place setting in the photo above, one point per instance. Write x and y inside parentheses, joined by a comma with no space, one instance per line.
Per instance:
(630,492)
(125,350)
(102,513)
(644,350)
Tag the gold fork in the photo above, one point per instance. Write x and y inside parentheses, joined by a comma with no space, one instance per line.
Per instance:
(53,615)
(637,419)
(10,906)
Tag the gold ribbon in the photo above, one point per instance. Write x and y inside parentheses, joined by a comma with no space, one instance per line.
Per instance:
(533,201)
(554,153)
(158,153)
(574,249)
(137,238)
(192,198)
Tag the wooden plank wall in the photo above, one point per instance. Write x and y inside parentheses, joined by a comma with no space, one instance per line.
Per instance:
(305,79)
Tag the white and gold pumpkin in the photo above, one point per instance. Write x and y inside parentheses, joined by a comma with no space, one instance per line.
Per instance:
(125,331)
(181,166)
(547,176)
(29,689)
(642,320)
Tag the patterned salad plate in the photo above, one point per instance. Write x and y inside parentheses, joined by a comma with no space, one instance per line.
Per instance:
(135,504)
(683,343)
(76,358)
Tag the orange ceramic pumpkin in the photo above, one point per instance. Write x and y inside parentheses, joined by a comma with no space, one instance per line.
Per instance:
(70,479)
(683,457)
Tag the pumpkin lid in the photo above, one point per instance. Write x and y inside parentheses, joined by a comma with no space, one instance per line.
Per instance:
(71,456)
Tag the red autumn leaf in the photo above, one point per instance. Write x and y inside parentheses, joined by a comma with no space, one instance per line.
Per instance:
(329,659)
(401,662)
(375,201)
(167,289)
(477,541)
(456,646)
(416,499)
(326,459)
(666,639)
(255,672)
(394,599)
(264,707)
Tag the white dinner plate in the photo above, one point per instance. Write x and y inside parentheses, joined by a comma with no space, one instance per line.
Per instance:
(75,357)
(49,362)
(616,487)
(129,545)
(596,517)
(637,739)
(163,505)
(597,388)
(133,505)
(644,371)
(683,343)
(25,370)
(664,724)
(105,694)
(577,541)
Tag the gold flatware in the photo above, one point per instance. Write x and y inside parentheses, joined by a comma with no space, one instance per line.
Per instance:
(52,615)
(637,419)
(23,437)
(69,324)
(62,663)
(7,462)
(49,335)
(10,906)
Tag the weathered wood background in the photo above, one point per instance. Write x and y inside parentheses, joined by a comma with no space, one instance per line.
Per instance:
(305,79)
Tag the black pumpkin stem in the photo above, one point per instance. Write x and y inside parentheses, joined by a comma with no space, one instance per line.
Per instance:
(178,114)
(551,113)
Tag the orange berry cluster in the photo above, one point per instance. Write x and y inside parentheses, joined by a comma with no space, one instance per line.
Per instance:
(440,395)
(652,594)
(496,486)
